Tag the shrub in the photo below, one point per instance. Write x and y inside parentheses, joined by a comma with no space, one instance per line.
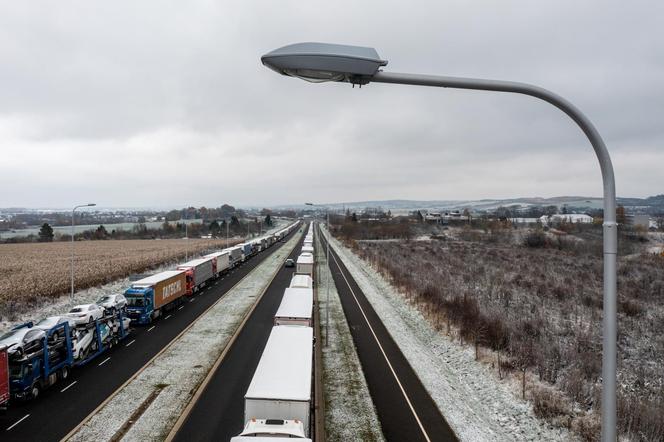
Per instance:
(535,239)
(549,404)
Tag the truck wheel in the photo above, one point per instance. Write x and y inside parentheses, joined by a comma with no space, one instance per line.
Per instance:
(64,373)
(34,393)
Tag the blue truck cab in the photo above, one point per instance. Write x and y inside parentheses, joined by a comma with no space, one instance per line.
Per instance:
(33,372)
(140,304)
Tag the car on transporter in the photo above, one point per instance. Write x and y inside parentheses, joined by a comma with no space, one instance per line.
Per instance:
(112,303)
(22,339)
(86,313)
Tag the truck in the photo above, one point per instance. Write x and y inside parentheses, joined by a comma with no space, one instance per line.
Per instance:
(259,244)
(301,281)
(236,255)
(281,385)
(147,297)
(271,430)
(296,307)
(221,262)
(4,378)
(199,271)
(247,249)
(305,264)
(308,249)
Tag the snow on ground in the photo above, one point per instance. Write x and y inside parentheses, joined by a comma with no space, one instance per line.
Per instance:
(477,405)
(349,410)
(163,389)
(61,305)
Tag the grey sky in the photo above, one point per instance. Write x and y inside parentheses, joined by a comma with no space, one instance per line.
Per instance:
(158,103)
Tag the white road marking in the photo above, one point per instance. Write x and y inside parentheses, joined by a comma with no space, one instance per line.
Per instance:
(132,341)
(68,386)
(104,361)
(167,317)
(18,421)
(192,299)
(151,328)
(410,405)
(181,307)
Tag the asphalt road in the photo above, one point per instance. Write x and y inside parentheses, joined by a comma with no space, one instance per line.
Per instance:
(218,414)
(404,407)
(63,406)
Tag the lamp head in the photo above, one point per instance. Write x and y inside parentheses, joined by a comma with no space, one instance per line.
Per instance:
(319,62)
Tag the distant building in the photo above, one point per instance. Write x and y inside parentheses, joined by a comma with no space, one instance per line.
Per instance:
(638,220)
(567,217)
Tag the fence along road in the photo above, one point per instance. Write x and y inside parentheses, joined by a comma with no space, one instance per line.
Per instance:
(405,409)
(62,407)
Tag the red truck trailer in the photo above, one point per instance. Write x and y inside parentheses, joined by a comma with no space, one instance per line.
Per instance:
(4,378)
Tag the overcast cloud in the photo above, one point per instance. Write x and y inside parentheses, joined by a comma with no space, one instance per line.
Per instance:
(157,103)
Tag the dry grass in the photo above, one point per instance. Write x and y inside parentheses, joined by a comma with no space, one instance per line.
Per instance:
(541,310)
(31,272)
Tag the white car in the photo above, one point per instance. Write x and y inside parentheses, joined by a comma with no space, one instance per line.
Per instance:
(86,313)
(81,343)
(112,303)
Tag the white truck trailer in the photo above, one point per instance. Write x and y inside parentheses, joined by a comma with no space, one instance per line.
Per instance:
(281,386)
(222,261)
(308,249)
(236,255)
(305,264)
(302,281)
(199,271)
(296,308)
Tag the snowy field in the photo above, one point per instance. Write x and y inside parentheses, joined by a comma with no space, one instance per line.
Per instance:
(477,405)
(349,410)
(149,405)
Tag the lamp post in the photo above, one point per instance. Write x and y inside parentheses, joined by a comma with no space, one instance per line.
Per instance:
(186,237)
(72,245)
(327,275)
(321,62)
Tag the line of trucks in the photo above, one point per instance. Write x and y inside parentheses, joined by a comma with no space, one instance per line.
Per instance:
(279,401)
(67,345)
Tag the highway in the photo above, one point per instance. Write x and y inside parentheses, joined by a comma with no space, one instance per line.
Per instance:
(218,414)
(63,406)
(405,409)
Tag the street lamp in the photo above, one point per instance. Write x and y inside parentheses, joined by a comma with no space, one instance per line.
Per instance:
(327,276)
(321,62)
(72,245)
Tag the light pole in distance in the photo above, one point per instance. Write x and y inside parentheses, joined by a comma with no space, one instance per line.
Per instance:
(72,245)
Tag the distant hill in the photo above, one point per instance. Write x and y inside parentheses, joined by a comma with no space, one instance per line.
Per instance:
(652,204)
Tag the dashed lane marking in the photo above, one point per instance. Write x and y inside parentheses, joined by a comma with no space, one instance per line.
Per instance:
(18,421)
(68,387)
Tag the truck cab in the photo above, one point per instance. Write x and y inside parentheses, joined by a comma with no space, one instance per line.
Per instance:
(139,304)
(191,282)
